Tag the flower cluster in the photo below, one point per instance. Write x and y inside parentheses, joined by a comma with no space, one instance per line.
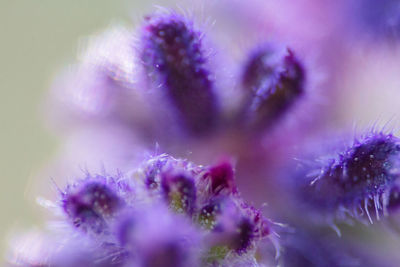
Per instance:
(171,82)
(167,83)
(167,212)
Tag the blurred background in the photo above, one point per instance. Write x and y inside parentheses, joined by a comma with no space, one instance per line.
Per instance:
(38,38)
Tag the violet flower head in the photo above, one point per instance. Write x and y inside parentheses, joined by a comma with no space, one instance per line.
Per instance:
(361,180)
(274,81)
(210,197)
(90,204)
(190,215)
(174,59)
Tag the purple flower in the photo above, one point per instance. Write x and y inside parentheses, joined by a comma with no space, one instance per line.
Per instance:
(170,74)
(167,212)
(215,204)
(361,180)
(173,56)
(274,81)
(89,205)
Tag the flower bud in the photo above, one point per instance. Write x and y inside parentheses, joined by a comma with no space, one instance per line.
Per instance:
(173,57)
(274,82)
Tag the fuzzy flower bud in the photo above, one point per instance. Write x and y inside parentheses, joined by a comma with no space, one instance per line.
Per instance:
(274,81)
(173,57)
(92,202)
(360,180)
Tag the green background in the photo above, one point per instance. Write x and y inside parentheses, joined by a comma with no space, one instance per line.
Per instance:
(38,37)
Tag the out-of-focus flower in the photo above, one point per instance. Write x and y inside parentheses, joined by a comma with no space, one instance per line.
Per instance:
(162,84)
(274,81)
(374,19)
